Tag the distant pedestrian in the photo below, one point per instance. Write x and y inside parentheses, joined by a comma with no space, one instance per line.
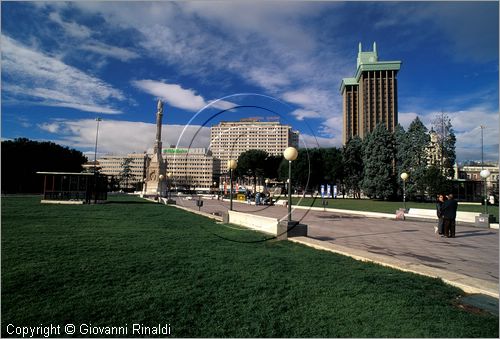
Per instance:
(450,207)
(439,211)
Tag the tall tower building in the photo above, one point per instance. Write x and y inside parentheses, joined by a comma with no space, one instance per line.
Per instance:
(371,96)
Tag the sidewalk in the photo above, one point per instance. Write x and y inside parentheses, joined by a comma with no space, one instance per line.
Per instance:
(469,261)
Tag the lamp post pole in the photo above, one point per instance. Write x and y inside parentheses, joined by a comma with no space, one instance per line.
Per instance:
(169,176)
(485,174)
(231,189)
(404,177)
(482,156)
(231,164)
(289,190)
(95,159)
(290,154)
(160,177)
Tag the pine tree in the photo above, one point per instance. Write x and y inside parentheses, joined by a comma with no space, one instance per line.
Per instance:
(352,158)
(417,141)
(446,139)
(126,172)
(378,158)
(252,163)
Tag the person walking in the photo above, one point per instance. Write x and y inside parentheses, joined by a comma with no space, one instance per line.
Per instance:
(439,211)
(450,207)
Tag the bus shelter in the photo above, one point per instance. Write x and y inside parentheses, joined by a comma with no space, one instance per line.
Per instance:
(74,188)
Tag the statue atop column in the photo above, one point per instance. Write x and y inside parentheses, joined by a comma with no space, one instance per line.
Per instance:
(159,116)
(154,183)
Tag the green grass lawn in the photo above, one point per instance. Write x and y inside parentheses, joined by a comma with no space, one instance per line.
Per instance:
(385,206)
(131,261)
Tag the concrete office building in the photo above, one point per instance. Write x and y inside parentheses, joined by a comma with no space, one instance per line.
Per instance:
(472,173)
(112,165)
(191,168)
(229,139)
(370,97)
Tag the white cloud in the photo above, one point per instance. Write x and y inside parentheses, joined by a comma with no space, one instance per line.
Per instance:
(466,124)
(49,127)
(405,119)
(269,79)
(248,39)
(301,114)
(312,141)
(48,81)
(174,94)
(177,96)
(332,127)
(298,97)
(71,28)
(78,37)
(121,137)
(474,117)
(221,104)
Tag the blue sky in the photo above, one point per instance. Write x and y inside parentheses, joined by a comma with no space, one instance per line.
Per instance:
(63,64)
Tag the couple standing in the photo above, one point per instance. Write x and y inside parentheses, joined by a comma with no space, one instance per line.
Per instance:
(447,212)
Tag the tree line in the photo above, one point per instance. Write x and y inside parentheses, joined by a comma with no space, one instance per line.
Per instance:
(22,158)
(371,166)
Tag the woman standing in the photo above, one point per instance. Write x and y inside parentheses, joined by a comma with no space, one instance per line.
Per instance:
(439,211)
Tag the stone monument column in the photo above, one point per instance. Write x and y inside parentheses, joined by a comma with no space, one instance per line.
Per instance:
(156,171)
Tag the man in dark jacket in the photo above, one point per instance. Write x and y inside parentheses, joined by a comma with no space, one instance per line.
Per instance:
(449,213)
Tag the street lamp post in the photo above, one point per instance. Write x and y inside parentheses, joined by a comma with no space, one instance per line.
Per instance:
(485,174)
(404,176)
(95,159)
(161,177)
(169,178)
(290,154)
(231,165)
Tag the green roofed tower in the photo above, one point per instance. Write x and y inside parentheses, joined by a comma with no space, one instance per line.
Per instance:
(370,97)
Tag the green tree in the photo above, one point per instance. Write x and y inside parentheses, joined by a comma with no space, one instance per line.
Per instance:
(352,160)
(113,184)
(126,171)
(411,156)
(378,158)
(301,168)
(434,182)
(22,158)
(272,165)
(402,154)
(252,163)
(308,170)
(332,165)
(441,124)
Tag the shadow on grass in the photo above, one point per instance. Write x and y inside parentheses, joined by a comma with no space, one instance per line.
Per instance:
(117,202)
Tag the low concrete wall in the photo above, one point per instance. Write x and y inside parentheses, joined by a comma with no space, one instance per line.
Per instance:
(255,222)
(63,202)
(469,217)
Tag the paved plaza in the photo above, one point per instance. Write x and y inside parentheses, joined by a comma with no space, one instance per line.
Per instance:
(471,257)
